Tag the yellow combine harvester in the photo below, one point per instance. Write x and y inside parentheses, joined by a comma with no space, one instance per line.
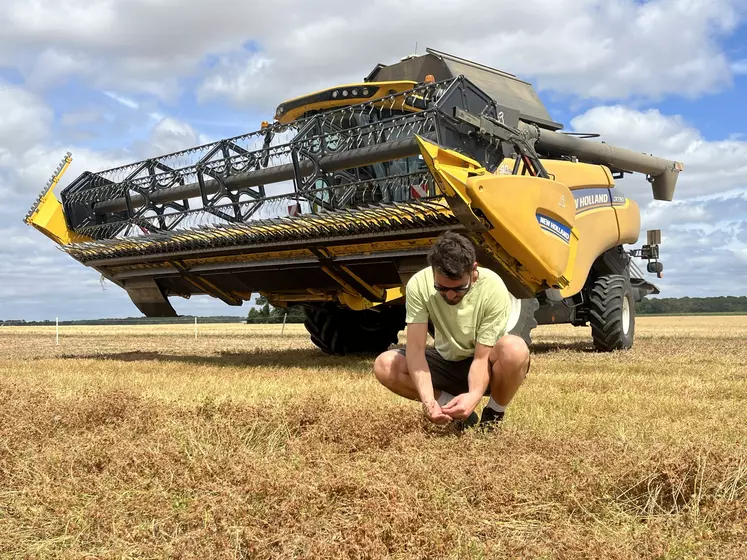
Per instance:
(334,205)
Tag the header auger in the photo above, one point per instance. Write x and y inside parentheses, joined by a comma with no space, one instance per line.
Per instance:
(334,205)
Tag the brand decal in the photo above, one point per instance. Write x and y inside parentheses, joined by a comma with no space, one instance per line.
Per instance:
(556,228)
(618,199)
(589,199)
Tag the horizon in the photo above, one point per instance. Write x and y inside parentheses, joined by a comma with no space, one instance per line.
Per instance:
(244,315)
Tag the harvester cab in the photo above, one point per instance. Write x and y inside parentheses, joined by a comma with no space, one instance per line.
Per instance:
(334,206)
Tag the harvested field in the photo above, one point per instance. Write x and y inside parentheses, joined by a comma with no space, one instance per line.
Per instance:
(142,442)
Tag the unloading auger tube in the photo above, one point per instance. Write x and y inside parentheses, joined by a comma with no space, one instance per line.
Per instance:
(360,194)
(662,173)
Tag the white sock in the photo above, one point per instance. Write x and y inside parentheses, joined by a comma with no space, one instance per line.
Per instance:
(444,398)
(495,406)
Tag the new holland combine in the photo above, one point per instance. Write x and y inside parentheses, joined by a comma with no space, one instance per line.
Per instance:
(334,205)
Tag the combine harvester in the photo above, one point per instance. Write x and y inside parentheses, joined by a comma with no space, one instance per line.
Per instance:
(335,204)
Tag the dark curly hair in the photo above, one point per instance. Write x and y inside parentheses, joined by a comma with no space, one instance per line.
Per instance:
(452,255)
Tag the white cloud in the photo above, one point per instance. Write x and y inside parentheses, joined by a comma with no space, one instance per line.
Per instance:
(37,280)
(31,169)
(702,227)
(122,100)
(702,246)
(663,215)
(29,153)
(591,48)
(170,135)
(739,66)
(80,117)
(24,120)
(701,212)
(701,262)
(742,234)
(53,66)
(235,77)
(711,167)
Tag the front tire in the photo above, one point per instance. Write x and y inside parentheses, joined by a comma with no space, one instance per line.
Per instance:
(612,313)
(521,321)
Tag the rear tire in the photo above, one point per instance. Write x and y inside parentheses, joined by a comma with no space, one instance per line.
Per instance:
(341,331)
(521,321)
(612,313)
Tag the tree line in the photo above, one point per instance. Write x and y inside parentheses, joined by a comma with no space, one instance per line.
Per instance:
(688,305)
(269,314)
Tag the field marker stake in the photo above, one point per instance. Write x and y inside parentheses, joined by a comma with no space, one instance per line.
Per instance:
(57,330)
(283,329)
(195,328)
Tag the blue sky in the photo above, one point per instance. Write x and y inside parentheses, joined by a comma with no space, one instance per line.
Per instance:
(116,81)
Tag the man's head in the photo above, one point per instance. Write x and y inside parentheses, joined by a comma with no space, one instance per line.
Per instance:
(454,264)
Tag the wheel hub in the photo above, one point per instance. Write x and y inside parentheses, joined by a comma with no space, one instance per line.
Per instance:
(514,312)
(626,315)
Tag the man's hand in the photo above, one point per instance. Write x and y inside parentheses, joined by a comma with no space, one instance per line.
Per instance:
(434,413)
(461,406)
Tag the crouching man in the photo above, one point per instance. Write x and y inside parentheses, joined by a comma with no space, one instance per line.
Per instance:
(473,356)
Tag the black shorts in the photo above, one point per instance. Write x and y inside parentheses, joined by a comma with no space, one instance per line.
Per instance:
(450,376)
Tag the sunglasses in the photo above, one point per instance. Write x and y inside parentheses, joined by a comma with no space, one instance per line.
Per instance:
(458,289)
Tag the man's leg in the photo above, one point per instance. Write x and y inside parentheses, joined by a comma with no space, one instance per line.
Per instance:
(509,365)
(449,378)
(390,368)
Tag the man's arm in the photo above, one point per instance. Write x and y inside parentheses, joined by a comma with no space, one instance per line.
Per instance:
(417,367)
(479,372)
(478,380)
(417,331)
(492,327)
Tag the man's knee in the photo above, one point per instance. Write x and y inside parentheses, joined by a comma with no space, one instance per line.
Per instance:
(511,353)
(388,365)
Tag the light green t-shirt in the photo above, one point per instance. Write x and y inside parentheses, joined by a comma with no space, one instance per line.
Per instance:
(481,316)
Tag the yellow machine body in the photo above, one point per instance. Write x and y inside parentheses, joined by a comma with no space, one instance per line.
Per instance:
(542,233)
(384,93)
(47,214)
(547,232)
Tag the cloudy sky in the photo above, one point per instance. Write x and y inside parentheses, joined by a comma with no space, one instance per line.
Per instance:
(114,81)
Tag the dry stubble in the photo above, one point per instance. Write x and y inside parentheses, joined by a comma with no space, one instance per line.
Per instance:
(142,442)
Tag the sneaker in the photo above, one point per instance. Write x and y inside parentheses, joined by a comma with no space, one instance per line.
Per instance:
(490,418)
(464,423)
